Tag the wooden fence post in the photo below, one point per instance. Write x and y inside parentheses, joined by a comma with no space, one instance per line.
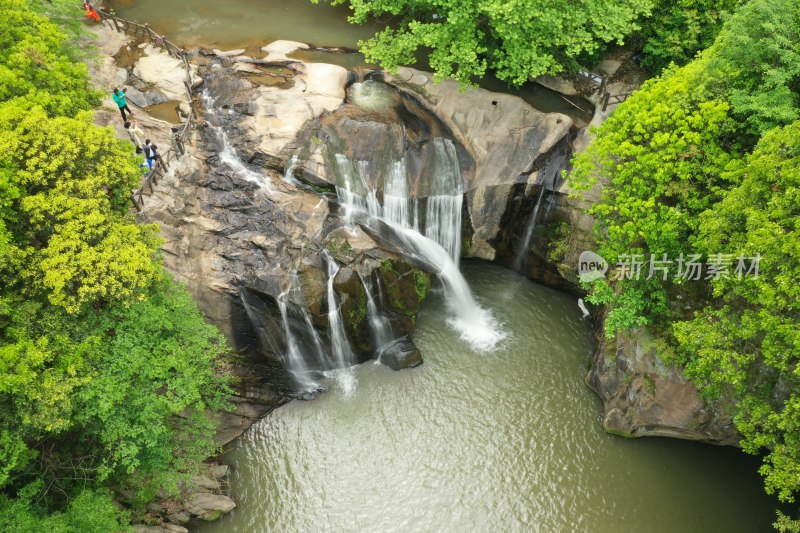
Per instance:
(605,101)
(114,19)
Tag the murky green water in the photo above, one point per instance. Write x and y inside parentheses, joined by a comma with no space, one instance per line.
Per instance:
(245,23)
(482,443)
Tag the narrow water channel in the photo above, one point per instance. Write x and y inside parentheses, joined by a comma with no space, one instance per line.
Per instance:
(509,441)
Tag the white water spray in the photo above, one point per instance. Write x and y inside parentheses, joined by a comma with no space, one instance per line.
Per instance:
(340,346)
(440,246)
(381,329)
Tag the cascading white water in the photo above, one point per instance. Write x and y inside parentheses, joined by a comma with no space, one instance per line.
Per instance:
(443,223)
(381,329)
(291,166)
(522,253)
(473,323)
(340,346)
(440,247)
(293,358)
(395,196)
(443,213)
(227,154)
(352,190)
(323,359)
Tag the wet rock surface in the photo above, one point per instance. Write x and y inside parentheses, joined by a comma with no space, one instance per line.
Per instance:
(238,238)
(643,396)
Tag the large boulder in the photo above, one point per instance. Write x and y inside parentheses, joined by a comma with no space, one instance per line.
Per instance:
(644,396)
(164,73)
(510,143)
(277,115)
(208,506)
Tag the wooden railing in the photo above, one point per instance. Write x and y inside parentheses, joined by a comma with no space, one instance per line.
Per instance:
(143,31)
(609,98)
(602,83)
(160,167)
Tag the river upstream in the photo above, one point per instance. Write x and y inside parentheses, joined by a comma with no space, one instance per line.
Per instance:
(509,440)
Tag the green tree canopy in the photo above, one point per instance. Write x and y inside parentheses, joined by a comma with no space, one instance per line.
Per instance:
(676,31)
(755,64)
(518,39)
(107,369)
(66,186)
(706,160)
(34,65)
(747,344)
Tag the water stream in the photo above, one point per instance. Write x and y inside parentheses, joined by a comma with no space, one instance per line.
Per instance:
(510,442)
(294,359)
(524,249)
(227,152)
(379,323)
(340,346)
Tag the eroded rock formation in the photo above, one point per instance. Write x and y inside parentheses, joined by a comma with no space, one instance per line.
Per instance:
(240,233)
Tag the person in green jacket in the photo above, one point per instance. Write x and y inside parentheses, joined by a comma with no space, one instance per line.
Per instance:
(119,99)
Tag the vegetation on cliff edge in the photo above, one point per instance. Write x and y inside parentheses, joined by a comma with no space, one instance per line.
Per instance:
(106,366)
(706,160)
(523,39)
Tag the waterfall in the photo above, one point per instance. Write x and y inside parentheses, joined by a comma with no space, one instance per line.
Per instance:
(291,166)
(443,213)
(381,329)
(395,196)
(352,190)
(473,323)
(340,346)
(293,359)
(323,360)
(522,254)
(440,246)
(227,154)
(443,223)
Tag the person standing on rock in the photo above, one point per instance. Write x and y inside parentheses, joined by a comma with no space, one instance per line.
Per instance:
(133,133)
(176,142)
(119,99)
(150,153)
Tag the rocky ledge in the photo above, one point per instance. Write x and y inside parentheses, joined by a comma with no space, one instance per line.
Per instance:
(248,217)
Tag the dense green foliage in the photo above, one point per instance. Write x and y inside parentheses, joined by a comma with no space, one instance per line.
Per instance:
(107,369)
(747,343)
(517,39)
(522,39)
(34,67)
(706,160)
(677,31)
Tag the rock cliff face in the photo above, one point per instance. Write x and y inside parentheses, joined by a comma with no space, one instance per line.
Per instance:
(643,396)
(242,230)
(242,237)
